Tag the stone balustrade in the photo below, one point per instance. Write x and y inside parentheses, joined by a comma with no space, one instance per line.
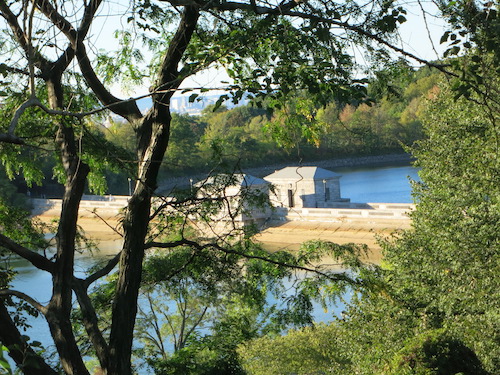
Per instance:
(104,206)
(111,206)
(396,211)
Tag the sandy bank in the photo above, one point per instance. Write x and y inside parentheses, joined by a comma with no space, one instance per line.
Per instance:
(286,235)
(292,234)
(100,229)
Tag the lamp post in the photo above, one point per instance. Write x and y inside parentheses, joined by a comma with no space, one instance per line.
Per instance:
(129,186)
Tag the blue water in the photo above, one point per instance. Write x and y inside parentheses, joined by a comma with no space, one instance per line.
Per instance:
(377,185)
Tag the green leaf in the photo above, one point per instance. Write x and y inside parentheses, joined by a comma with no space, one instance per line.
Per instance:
(444,37)
(193,97)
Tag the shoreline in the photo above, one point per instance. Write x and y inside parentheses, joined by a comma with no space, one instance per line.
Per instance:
(349,162)
(397,159)
(290,235)
(280,236)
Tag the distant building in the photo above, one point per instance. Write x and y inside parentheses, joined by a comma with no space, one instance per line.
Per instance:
(182,105)
(305,187)
(237,199)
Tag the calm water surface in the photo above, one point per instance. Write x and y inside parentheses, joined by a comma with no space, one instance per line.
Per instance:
(378,185)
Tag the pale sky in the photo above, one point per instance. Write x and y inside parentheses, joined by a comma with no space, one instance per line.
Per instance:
(414,38)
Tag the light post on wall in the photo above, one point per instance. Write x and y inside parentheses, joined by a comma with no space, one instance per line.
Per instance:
(129,186)
(291,203)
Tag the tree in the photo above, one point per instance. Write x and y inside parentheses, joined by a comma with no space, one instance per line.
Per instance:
(457,241)
(229,130)
(183,150)
(55,84)
(441,298)
(311,350)
(205,311)
(436,311)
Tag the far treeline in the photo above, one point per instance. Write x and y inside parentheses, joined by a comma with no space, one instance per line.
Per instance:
(385,122)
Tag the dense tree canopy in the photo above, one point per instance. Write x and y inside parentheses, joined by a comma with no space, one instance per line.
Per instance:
(251,136)
(437,310)
(58,81)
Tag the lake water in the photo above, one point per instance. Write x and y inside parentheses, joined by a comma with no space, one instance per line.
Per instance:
(389,184)
(382,184)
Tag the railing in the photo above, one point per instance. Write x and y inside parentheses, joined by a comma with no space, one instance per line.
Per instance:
(111,205)
(397,211)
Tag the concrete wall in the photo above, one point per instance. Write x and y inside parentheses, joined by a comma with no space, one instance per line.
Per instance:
(327,192)
(112,207)
(306,192)
(104,206)
(396,211)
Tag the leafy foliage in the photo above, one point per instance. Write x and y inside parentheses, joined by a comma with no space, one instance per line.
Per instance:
(311,350)
(435,310)
(455,243)
(53,88)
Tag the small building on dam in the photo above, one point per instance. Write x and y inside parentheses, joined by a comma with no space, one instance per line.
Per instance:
(289,194)
(305,187)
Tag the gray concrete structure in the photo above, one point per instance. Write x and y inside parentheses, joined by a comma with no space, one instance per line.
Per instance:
(305,187)
(241,198)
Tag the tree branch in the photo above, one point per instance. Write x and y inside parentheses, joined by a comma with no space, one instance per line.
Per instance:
(286,10)
(88,18)
(91,322)
(195,324)
(9,292)
(103,271)
(56,19)
(19,350)
(155,322)
(11,19)
(125,108)
(9,138)
(94,212)
(198,246)
(19,34)
(37,260)
(11,69)
(33,101)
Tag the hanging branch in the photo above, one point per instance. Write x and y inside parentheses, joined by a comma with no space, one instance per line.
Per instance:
(34,258)
(198,246)
(9,292)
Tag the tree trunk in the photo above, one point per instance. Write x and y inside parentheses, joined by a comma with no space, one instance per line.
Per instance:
(91,323)
(153,139)
(59,308)
(19,350)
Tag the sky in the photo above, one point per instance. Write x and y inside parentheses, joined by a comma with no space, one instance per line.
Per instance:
(416,37)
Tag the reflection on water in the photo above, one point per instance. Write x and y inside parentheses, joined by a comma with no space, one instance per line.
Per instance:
(38,284)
